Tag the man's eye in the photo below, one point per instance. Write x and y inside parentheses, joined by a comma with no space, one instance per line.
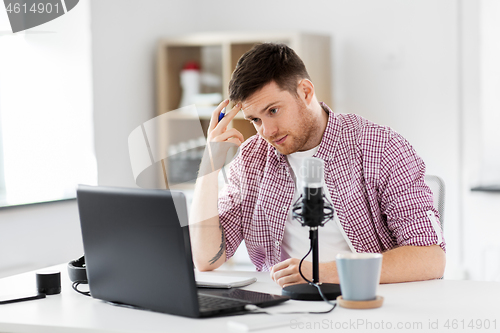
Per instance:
(255,120)
(273,110)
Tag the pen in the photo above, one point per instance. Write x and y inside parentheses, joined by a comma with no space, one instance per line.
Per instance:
(222,114)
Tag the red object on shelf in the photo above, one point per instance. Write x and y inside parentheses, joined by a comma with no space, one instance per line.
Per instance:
(193,65)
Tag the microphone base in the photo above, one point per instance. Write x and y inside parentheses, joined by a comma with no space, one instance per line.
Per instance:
(307,292)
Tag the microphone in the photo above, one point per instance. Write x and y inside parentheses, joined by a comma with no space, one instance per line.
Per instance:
(312,209)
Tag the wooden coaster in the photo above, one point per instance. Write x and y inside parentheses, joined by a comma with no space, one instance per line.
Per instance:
(376,303)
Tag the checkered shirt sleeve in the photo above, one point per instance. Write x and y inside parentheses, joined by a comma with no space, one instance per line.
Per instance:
(229,205)
(381,196)
(405,198)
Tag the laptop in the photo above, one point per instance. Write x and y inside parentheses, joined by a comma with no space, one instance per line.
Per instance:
(138,253)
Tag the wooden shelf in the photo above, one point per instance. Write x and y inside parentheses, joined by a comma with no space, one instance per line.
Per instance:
(203,115)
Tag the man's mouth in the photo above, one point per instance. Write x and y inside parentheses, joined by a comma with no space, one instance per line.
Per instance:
(280,141)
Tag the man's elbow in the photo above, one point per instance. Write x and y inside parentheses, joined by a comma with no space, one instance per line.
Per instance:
(208,265)
(436,269)
(204,268)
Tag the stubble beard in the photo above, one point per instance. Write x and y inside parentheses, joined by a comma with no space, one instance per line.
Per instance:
(302,136)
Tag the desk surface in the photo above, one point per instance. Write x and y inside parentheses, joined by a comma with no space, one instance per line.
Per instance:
(437,306)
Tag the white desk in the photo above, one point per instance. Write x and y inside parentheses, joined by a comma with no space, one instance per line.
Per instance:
(412,307)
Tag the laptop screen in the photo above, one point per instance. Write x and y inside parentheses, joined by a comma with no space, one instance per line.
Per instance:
(137,251)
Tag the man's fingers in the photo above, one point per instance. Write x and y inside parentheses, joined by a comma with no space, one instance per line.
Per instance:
(273,271)
(232,132)
(214,120)
(291,284)
(289,280)
(217,131)
(282,272)
(280,265)
(230,114)
(235,141)
(286,273)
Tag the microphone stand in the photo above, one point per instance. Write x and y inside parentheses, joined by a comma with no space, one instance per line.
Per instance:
(313,236)
(309,292)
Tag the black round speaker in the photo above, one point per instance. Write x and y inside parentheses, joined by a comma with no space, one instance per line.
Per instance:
(48,283)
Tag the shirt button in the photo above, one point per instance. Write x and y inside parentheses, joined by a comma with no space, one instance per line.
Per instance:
(277,243)
(284,208)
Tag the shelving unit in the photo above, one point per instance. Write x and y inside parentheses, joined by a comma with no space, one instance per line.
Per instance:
(218,53)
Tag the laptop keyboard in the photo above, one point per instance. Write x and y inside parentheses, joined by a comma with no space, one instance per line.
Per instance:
(210,303)
(249,296)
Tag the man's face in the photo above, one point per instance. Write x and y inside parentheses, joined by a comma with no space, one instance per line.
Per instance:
(281,118)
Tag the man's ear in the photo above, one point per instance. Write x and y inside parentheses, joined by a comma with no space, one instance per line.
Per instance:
(305,89)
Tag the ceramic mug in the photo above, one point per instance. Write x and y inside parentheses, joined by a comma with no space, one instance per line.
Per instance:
(359,275)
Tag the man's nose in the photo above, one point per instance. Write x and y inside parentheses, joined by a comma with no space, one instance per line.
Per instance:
(269,129)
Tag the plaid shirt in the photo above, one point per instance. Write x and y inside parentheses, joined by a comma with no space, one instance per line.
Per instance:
(375,178)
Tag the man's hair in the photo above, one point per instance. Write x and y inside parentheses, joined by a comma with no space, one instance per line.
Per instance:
(263,64)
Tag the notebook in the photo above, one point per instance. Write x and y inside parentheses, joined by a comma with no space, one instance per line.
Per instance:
(138,253)
(214,280)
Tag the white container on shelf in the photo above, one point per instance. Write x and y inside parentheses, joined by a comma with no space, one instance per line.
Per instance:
(190,83)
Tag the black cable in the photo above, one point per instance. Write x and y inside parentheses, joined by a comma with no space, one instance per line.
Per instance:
(300,265)
(324,299)
(254,308)
(75,288)
(251,307)
(315,284)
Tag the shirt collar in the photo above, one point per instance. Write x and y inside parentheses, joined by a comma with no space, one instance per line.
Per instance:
(331,136)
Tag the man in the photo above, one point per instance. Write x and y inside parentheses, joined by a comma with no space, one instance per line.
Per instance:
(373,178)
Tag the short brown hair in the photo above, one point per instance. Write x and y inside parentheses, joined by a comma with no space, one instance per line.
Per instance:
(263,64)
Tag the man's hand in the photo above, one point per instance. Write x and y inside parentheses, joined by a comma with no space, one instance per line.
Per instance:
(218,132)
(220,139)
(286,273)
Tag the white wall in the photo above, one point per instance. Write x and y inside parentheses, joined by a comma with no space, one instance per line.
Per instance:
(481,138)
(124,35)
(39,235)
(490,87)
(394,62)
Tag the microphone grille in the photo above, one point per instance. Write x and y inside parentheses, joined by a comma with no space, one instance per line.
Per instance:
(312,171)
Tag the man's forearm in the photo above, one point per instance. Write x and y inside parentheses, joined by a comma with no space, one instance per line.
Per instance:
(402,264)
(413,263)
(207,237)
